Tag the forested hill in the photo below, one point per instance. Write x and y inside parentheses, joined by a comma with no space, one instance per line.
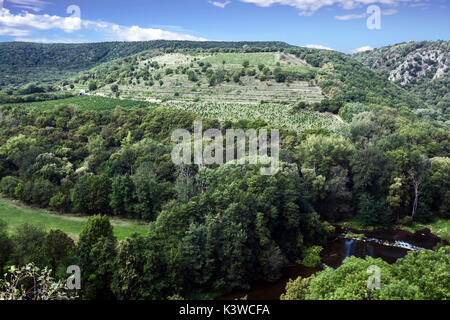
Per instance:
(22,62)
(421,67)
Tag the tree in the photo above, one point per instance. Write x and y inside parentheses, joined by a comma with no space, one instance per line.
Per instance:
(29,246)
(8,185)
(312,257)
(96,252)
(279,75)
(92,194)
(297,289)
(421,275)
(58,246)
(123,196)
(5,244)
(42,192)
(246,63)
(92,86)
(148,193)
(348,282)
(128,280)
(439,185)
(17,148)
(325,163)
(420,164)
(59,202)
(373,212)
(371,171)
(115,88)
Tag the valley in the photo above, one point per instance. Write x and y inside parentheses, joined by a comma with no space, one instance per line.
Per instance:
(86,167)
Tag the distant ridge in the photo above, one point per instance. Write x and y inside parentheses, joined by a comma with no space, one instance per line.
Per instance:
(21,61)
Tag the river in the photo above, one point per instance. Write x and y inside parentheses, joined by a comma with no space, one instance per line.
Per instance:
(389,245)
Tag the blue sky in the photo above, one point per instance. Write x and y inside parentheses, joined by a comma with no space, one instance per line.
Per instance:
(337,24)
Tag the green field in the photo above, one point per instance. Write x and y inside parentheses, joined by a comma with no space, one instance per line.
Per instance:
(15,214)
(85,102)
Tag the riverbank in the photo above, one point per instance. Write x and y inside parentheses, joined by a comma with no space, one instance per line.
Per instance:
(387,244)
(440,227)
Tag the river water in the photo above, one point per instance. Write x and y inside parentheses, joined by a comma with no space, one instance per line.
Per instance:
(389,245)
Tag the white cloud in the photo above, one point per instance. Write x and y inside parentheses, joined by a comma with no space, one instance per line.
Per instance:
(5,31)
(136,33)
(351,17)
(46,40)
(35,5)
(362,49)
(220,4)
(22,25)
(26,21)
(363,15)
(318,46)
(308,7)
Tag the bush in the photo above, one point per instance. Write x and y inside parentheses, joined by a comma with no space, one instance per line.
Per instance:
(8,186)
(41,192)
(59,202)
(279,75)
(92,86)
(297,289)
(114,88)
(312,257)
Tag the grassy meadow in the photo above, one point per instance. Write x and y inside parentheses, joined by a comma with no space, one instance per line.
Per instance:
(15,214)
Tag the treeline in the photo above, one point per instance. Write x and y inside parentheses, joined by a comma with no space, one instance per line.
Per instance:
(33,92)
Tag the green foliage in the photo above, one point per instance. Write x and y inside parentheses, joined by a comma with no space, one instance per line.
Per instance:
(92,194)
(373,212)
(349,281)
(128,280)
(312,257)
(92,86)
(58,246)
(96,253)
(29,245)
(123,196)
(349,110)
(59,202)
(8,186)
(421,275)
(6,245)
(297,289)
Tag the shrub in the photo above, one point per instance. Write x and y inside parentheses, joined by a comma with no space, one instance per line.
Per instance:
(92,86)
(312,257)
(8,186)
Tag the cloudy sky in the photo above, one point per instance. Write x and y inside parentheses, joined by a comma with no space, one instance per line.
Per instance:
(336,24)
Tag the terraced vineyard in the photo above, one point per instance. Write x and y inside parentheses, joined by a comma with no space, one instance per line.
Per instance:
(277,115)
(225,86)
(251,88)
(85,102)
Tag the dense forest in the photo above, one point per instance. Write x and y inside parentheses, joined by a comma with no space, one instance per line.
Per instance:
(216,229)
